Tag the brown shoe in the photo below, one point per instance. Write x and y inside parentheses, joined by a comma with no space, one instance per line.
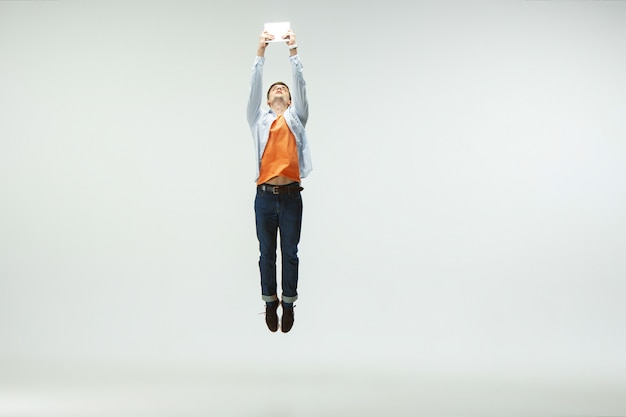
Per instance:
(287,319)
(271,318)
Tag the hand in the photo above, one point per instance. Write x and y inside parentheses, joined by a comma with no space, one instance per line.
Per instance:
(263,40)
(290,37)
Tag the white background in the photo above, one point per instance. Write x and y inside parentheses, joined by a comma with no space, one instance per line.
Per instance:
(465,215)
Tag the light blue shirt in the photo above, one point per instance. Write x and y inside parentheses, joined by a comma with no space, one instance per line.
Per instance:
(296,115)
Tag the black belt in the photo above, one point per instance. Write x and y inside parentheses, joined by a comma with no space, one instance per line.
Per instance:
(280,189)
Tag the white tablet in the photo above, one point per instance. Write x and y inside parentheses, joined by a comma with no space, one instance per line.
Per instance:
(278,29)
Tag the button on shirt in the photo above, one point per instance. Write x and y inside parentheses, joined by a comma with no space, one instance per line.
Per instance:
(296,115)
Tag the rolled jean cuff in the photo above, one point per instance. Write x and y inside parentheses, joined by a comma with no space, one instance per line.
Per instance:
(269,298)
(290,300)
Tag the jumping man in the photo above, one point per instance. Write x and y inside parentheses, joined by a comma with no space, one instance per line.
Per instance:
(283,160)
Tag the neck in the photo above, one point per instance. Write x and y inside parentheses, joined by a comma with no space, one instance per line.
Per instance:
(278,108)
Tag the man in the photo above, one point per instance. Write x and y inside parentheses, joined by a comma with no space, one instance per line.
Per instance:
(283,160)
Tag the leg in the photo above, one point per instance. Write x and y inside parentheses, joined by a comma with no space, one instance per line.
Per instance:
(290,224)
(266,214)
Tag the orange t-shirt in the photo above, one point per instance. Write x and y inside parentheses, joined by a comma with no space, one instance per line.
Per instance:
(280,156)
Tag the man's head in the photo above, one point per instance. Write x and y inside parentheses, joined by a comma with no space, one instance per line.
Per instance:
(279,91)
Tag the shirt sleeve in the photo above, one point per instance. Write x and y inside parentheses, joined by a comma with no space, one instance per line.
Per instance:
(255,96)
(299,99)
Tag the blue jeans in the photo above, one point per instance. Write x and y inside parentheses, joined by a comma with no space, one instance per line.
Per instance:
(278,213)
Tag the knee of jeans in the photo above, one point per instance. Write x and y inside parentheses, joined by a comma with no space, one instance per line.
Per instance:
(292,260)
(268,256)
(291,255)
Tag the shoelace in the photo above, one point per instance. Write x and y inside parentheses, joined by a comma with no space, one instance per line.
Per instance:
(265,312)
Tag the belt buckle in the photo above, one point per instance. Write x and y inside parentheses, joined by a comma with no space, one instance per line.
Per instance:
(276,189)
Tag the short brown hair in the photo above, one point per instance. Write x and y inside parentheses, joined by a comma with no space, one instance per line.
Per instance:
(278,83)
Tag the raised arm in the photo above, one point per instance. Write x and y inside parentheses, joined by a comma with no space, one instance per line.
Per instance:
(298,93)
(255,96)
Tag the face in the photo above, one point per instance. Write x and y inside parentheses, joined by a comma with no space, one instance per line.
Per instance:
(279,92)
